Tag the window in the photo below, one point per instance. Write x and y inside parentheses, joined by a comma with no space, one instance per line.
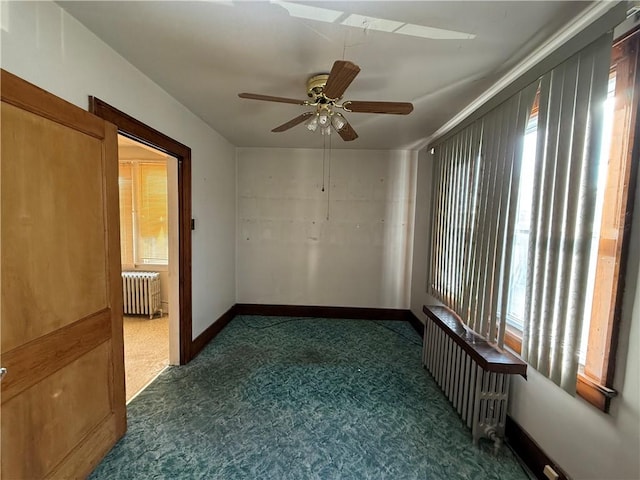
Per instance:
(531,214)
(518,278)
(143,212)
(605,262)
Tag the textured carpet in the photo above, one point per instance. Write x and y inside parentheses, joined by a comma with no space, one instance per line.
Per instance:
(146,350)
(282,398)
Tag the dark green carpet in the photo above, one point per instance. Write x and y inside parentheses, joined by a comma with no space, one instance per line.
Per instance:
(283,398)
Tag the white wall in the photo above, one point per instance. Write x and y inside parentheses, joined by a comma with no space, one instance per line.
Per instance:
(44,45)
(289,253)
(585,442)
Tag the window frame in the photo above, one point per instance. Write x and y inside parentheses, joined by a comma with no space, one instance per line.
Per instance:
(599,392)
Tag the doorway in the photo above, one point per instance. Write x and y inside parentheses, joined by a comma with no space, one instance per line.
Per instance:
(181,249)
(147,196)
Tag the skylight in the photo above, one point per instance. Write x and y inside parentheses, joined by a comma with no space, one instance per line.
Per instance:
(355,20)
(434,33)
(371,23)
(310,13)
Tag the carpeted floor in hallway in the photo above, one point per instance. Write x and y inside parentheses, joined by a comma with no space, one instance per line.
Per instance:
(287,398)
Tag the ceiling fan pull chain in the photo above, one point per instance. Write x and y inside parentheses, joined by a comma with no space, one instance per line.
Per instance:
(324,149)
(329,180)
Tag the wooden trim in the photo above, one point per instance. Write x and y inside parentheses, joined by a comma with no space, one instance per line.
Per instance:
(211,332)
(615,221)
(139,131)
(513,340)
(184,246)
(529,451)
(415,322)
(634,144)
(486,355)
(112,216)
(354,313)
(597,395)
(25,95)
(31,362)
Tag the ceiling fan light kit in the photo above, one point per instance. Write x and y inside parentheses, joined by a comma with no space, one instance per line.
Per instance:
(325,91)
(312,123)
(338,121)
(325,118)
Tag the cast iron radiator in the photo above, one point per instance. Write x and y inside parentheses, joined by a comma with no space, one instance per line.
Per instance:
(473,374)
(141,292)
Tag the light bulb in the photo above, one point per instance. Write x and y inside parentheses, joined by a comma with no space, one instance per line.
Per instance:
(326,130)
(323,119)
(338,122)
(312,123)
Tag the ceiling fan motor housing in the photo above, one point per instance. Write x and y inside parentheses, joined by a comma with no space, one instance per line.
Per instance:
(315,87)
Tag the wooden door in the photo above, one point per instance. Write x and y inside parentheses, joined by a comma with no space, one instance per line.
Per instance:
(63,401)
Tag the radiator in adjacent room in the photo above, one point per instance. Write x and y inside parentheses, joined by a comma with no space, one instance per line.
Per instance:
(473,374)
(141,292)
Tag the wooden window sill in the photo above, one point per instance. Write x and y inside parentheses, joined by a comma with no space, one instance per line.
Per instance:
(486,355)
(592,392)
(595,394)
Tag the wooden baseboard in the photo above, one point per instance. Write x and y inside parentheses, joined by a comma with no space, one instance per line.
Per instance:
(529,451)
(415,322)
(210,333)
(354,313)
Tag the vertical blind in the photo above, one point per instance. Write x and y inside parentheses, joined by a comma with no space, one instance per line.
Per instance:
(570,117)
(477,175)
(454,200)
(475,194)
(143,213)
(152,213)
(125,184)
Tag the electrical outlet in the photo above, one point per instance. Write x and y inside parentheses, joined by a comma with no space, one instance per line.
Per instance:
(550,473)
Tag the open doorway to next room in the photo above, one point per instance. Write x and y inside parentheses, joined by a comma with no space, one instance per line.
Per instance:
(145,188)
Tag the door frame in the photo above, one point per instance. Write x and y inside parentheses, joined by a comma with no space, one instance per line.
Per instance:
(143,133)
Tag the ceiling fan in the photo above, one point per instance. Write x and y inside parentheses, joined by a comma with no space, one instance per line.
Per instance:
(325,92)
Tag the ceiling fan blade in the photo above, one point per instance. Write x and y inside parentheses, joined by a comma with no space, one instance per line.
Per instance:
(293,122)
(342,74)
(396,108)
(269,98)
(347,133)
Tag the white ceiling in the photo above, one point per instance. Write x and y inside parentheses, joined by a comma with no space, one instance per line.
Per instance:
(205,53)
(131,150)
